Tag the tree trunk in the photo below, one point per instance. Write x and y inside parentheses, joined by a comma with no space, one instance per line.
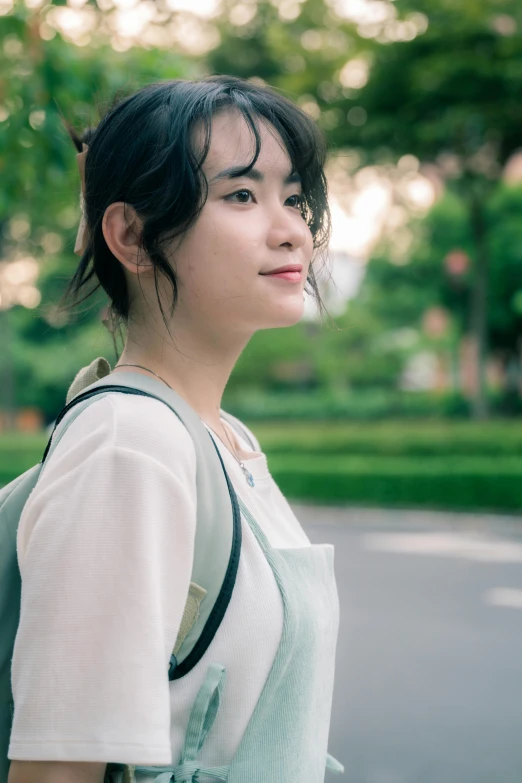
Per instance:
(479,305)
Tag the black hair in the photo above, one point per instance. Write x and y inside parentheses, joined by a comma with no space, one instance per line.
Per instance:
(141,153)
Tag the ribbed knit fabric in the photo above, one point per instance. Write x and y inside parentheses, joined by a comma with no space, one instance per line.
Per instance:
(105,547)
(287,736)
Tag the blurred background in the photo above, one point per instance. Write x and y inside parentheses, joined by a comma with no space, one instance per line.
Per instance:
(386,420)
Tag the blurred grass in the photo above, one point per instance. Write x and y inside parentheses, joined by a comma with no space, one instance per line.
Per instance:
(429,464)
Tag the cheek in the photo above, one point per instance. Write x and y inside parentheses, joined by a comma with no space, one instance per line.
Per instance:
(219,231)
(217,259)
(308,247)
(228,245)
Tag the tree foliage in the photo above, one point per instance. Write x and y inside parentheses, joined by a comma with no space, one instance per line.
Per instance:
(432,78)
(39,193)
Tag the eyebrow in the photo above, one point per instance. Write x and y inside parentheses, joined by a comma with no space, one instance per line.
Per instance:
(239,171)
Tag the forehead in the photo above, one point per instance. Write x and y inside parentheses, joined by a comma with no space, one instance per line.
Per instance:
(233,143)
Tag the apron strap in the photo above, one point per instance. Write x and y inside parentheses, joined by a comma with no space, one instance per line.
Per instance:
(203,712)
(202,716)
(332,765)
(183,773)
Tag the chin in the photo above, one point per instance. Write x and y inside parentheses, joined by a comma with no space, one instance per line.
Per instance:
(287,316)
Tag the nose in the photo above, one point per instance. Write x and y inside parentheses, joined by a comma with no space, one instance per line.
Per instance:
(288,228)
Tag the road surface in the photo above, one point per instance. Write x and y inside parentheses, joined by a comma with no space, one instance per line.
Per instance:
(429,659)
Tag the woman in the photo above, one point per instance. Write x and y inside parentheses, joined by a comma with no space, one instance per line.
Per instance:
(195,194)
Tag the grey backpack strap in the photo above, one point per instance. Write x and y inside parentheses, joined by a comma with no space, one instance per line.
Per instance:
(218,530)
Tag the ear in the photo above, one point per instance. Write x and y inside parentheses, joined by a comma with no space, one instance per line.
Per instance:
(122,229)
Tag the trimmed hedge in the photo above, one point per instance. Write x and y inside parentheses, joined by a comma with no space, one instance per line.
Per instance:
(426,464)
(462,483)
(412,438)
(362,405)
(446,465)
(372,404)
(18,453)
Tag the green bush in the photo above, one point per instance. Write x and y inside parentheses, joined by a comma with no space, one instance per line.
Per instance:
(400,438)
(447,465)
(18,453)
(361,405)
(365,405)
(463,483)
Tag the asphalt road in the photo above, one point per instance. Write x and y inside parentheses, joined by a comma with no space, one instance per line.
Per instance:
(429,658)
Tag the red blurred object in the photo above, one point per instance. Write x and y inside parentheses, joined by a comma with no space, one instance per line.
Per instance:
(457,262)
(436,321)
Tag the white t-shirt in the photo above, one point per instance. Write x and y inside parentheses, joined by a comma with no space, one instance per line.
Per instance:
(105,548)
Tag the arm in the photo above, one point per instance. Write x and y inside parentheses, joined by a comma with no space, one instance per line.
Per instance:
(105,547)
(56,772)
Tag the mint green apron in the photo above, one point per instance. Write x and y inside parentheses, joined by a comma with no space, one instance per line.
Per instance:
(287,736)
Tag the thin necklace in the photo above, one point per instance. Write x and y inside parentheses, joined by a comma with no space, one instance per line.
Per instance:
(249,477)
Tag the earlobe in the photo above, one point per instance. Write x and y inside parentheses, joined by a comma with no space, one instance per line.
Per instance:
(122,229)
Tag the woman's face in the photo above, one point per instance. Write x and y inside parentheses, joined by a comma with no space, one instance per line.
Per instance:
(247,227)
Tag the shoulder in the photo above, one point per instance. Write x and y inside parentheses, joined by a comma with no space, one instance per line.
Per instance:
(122,465)
(127,423)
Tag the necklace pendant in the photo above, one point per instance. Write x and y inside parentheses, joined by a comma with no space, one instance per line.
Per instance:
(249,477)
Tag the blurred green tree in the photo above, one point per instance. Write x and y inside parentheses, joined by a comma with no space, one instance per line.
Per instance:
(378,79)
(451,96)
(39,194)
(431,78)
(439,273)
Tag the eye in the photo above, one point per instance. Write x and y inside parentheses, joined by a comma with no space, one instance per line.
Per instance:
(299,200)
(297,196)
(237,193)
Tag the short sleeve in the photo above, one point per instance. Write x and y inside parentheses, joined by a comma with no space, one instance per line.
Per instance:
(105,547)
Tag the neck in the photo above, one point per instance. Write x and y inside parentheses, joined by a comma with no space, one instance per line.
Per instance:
(197,366)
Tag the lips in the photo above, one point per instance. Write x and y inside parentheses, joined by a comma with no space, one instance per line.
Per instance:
(287,268)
